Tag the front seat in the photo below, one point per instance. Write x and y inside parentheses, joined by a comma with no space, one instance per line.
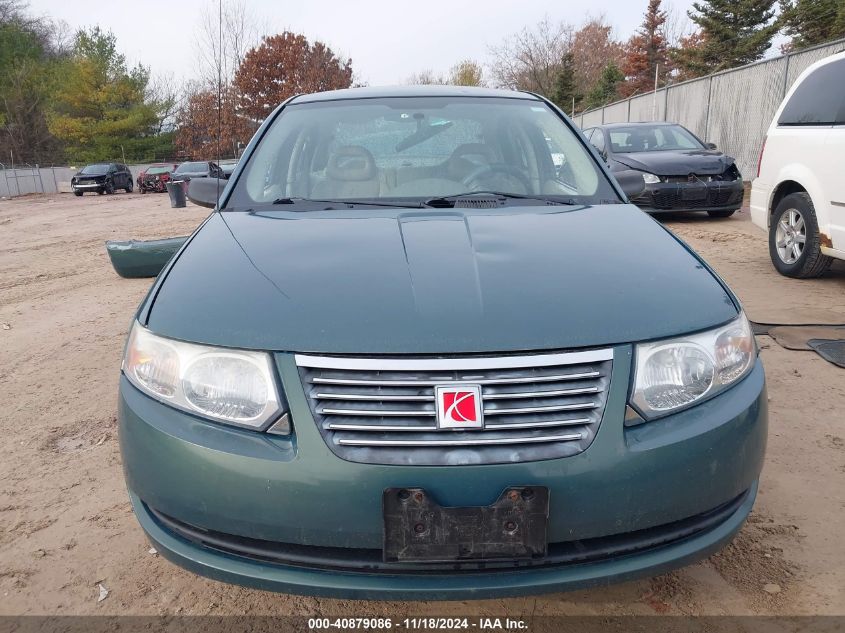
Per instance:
(467,158)
(351,172)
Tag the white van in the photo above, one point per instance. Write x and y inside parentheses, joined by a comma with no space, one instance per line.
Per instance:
(799,193)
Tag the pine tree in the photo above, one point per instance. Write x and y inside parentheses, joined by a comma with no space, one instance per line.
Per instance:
(647,51)
(607,88)
(564,90)
(810,22)
(733,33)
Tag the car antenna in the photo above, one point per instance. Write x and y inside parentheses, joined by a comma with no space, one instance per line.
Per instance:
(219,90)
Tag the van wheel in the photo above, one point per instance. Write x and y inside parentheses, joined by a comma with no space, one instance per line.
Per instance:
(721,213)
(794,238)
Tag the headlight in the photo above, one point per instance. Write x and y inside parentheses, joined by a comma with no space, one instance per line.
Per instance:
(231,386)
(650,179)
(676,373)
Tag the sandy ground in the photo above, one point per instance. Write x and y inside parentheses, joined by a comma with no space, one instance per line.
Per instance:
(66,524)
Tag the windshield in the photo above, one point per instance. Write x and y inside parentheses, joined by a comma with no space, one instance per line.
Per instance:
(191,167)
(95,170)
(157,170)
(655,138)
(419,148)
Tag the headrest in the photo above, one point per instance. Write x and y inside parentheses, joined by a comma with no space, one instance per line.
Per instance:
(458,166)
(474,149)
(351,162)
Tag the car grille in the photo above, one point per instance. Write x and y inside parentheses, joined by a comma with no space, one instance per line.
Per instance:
(382,410)
(716,197)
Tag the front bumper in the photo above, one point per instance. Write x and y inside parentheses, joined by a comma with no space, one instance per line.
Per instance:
(88,186)
(691,196)
(158,186)
(252,488)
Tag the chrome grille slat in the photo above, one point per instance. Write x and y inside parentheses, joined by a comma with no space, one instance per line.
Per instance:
(378,428)
(559,407)
(537,425)
(471,442)
(374,397)
(540,394)
(383,411)
(432,383)
(376,412)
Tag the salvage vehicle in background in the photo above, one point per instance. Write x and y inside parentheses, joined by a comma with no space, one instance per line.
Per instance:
(102,178)
(197,169)
(155,177)
(681,172)
(381,368)
(798,195)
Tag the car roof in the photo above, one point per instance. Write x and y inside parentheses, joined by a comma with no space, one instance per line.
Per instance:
(609,126)
(383,92)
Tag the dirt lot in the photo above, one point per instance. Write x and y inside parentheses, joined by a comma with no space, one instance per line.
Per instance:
(66,524)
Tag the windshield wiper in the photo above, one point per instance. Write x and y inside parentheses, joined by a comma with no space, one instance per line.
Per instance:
(349,203)
(449,201)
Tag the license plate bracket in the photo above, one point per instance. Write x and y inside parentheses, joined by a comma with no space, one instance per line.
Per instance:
(694,193)
(417,528)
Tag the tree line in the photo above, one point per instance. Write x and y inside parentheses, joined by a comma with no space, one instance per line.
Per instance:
(72,97)
(589,67)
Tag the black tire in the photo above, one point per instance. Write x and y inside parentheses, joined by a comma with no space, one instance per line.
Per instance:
(129,188)
(100,191)
(109,188)
(143,191)
(77,193)
(812,262)
(721,213)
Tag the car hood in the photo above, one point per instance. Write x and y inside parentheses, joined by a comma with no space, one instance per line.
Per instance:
(427,282)
(682,163)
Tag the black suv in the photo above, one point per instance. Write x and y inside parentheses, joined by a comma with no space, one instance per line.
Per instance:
(102,178)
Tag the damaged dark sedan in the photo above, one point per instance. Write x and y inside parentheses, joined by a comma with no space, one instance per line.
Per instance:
(680,171)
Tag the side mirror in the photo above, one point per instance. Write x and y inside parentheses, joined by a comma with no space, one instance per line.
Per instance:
(710,145)
(204,191)
(631,182)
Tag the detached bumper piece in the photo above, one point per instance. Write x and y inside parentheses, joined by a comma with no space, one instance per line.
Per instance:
(135,258)
(372,561)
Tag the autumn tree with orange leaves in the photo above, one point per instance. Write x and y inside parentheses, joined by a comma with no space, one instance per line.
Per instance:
(284,65)
(647,52)
(198,126)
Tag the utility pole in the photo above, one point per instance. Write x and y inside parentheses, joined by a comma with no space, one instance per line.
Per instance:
(654,94)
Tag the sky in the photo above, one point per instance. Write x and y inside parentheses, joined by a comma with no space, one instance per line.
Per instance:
(388,40)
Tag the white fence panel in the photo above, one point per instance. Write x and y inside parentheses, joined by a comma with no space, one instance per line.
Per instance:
(687,105)
(649,107)
(742,104)
(616,112)
(591,119)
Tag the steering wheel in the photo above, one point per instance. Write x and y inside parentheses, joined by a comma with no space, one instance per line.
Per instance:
(471,180)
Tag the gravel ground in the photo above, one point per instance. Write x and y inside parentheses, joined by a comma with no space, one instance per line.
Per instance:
(66,524)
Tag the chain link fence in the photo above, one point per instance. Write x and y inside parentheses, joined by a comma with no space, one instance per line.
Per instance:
(732,108)
(21,180)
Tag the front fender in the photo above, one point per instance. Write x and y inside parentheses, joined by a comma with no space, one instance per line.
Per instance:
(804,176)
